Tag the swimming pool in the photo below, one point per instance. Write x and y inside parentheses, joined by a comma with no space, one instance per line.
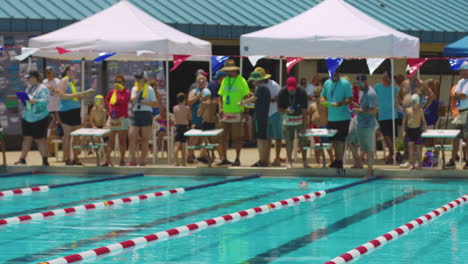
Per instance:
(311,232)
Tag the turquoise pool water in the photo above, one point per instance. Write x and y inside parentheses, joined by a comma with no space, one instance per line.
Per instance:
(313,232)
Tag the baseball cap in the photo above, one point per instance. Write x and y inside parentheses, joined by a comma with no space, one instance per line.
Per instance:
(201,72)
(361,78)
(291,83)
(49,69)
(415,98)
(140,75)
(219,74)
(34,74)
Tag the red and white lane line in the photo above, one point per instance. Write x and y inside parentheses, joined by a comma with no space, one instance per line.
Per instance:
(398,232)
(24,191)
(115,249)
(87,207)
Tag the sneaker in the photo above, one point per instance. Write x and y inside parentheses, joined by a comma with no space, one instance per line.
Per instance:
(69,163)
(333,164)
(224,162)
(122,163)
(236,163)
(405,165)
(203,160)
(77,162)
(45,162)
(257,164)
(21,162)
(339,164)
(450,164)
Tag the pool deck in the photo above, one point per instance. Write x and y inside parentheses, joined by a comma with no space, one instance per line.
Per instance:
(248,157)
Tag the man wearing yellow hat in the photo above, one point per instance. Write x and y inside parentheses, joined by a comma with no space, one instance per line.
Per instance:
(461,97)
(233,89)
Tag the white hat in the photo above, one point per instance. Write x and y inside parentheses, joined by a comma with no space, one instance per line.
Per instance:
(415,98)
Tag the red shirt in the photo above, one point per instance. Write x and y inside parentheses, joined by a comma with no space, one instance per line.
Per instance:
(121,107)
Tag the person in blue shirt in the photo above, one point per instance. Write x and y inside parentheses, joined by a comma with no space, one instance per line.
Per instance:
(337,95)
(386,106)
(35,118)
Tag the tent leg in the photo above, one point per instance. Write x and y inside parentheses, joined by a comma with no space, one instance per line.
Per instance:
(280,80)
(393,112)
(210,71)
(241,65)
(170,132)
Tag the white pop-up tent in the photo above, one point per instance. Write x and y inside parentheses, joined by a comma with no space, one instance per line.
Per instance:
(332,28)
(127,30)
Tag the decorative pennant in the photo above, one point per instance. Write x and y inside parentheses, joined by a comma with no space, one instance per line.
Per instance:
(414,65)
(104,55)
(291,61)
(455,64)
(141,52)
(62,50)
(25,53)
(178,59)
(373,64)
(333,64)
(1,50)
(217,62)
(254,59)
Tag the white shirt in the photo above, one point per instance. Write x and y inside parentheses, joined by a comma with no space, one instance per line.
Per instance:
(310,89)
(53,105)
(274,89)
(462,87)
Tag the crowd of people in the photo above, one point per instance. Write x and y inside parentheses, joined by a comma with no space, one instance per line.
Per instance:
(355,109)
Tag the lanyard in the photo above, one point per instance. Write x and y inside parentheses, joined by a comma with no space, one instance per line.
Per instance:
(292,103)
(332,91)
(230,84)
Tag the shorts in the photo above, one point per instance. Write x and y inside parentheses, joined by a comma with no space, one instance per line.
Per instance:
(320,139)
(37,129)
(71,117)
(290,134)
(142,118)
(118,124)
(275,126)
(413,135)
(364,137)
(106,138)
(386,127)
(342,127)
(461,123)
(261,128)
(206,126)
(179,133)
(235,130)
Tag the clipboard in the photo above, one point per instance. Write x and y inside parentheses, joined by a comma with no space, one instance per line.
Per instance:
(23,96)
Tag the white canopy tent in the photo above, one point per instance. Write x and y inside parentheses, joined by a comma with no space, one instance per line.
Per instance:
(127,30)
(332,28)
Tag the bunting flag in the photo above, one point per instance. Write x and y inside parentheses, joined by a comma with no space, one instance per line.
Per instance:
(455,64)
(178,59)
(414,65)
(141,52)
(217,62)
(254,59)
(373,64)
(1,50)
(332,65)
(291,61)
(25,53)
(104,55)
(62,50)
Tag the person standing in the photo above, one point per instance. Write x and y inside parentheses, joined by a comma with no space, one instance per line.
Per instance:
(414,124)
(364,132)
(143,99)
(194,101)
(35,118)
(51,82)
(117,101)
(262,100)
(461,96)
(337,94)
(215,84)
(70,113)
(232,91)
(384,91)
(182,116)
(292,103)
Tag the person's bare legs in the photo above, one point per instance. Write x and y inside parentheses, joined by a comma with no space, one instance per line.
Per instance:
(183,148)
(411,151)
(389,143)
(145,136)
(331,155)
(455,149)
(304,154)
(25,147)
(339,147)
(260,149)
(66,142)
(356,157)
(419,156)
(2,143)
(317,154)
(238,143)
(133,135)
(370,163)
(41,146)
(76,142)
(122,144)
(289,149)
(176,154)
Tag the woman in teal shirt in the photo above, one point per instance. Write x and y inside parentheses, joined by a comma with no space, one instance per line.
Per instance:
(35,118)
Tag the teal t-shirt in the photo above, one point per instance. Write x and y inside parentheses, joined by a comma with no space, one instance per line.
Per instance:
(337,92)
(384,98)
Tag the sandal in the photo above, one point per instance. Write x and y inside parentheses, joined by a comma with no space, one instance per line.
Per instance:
(77,162)
(122,163)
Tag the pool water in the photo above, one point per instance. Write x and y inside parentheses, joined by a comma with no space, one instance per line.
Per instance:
(311,232)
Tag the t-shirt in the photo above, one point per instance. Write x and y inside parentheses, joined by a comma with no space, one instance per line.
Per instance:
(262,104)
(150,98)
(53,105)
(274,89)
(120,108)
(214,88)
(38,111)
(298,101)
(384,98)
(462,87)
(337,92)
(368,99)
(233,90)
(310,89)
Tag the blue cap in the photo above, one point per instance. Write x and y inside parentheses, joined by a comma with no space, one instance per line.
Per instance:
(219,74)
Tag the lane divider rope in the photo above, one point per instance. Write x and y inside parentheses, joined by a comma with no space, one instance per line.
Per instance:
(398,232)
(104,204)
(24,191)
(140,242)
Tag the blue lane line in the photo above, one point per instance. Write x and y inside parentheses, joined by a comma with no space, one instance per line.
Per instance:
(191,188)
(128,176)
(342,187)
(15,174)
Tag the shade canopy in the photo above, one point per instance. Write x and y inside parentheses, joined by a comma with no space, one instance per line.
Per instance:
(332,28)
(458,48)
(122,28)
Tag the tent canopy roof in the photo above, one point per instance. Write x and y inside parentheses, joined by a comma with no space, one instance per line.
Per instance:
(121,28)
(332,28)
(458,48)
